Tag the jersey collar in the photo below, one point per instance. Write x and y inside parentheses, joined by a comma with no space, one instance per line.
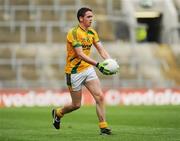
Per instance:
(86,30)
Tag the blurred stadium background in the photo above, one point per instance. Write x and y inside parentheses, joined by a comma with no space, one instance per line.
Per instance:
(143,35)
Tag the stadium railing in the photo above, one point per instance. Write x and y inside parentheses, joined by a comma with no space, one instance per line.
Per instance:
(41,66)
(45,21)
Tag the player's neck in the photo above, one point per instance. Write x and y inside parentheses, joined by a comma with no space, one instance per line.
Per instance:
(83,27)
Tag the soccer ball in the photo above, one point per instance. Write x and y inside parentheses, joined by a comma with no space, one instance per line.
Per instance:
(112,65)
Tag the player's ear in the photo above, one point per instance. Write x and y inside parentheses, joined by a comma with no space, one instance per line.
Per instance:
(80,19)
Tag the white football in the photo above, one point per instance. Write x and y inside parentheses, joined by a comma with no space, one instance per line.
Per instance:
(112,65)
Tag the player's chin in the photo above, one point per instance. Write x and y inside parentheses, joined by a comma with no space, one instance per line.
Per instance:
(89,24)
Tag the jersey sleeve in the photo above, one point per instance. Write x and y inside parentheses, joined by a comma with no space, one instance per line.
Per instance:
(72,39)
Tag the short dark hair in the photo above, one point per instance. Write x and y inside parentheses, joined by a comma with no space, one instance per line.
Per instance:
(81,12)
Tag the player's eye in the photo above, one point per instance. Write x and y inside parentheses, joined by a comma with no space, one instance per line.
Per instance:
(89,16)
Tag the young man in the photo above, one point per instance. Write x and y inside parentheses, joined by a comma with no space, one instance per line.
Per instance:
(79,69)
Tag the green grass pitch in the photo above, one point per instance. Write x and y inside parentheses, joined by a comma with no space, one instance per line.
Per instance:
(128,123)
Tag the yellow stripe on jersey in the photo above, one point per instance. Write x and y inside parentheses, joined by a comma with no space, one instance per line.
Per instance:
(78,37)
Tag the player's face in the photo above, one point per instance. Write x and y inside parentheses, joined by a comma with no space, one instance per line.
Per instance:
(87,19)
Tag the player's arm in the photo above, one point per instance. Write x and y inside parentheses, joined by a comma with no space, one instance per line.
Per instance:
(84,57)
(104,54)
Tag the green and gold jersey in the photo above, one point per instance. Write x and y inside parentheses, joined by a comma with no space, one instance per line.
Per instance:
(78,37)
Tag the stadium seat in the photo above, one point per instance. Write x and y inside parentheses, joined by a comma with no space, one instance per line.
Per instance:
(59,35)
(19,2)
(22,15)
(34,36)
(1,15)
(28,53)
(5,52)
(172,70)
(9,36)
(1,2)
(117,5)
(29,72)
(71,15)
(176,52)
(105,30)
(49,15)
(7,72)
(67,2)
(44,2)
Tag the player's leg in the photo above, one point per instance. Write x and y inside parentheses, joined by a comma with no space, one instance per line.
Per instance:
(74,83)
(95,89)
(76,97)
(58,113)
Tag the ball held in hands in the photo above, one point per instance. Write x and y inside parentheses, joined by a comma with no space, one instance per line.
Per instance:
(112,65)
(108,67)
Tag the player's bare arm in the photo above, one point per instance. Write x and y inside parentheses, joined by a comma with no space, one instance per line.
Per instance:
(104,54)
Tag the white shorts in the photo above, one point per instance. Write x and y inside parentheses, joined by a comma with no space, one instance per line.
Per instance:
(76,81)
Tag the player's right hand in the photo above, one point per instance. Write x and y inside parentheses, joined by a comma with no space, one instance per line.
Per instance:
(102,68)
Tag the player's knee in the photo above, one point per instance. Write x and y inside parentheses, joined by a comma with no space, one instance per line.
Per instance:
(100,99)
(76,106)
